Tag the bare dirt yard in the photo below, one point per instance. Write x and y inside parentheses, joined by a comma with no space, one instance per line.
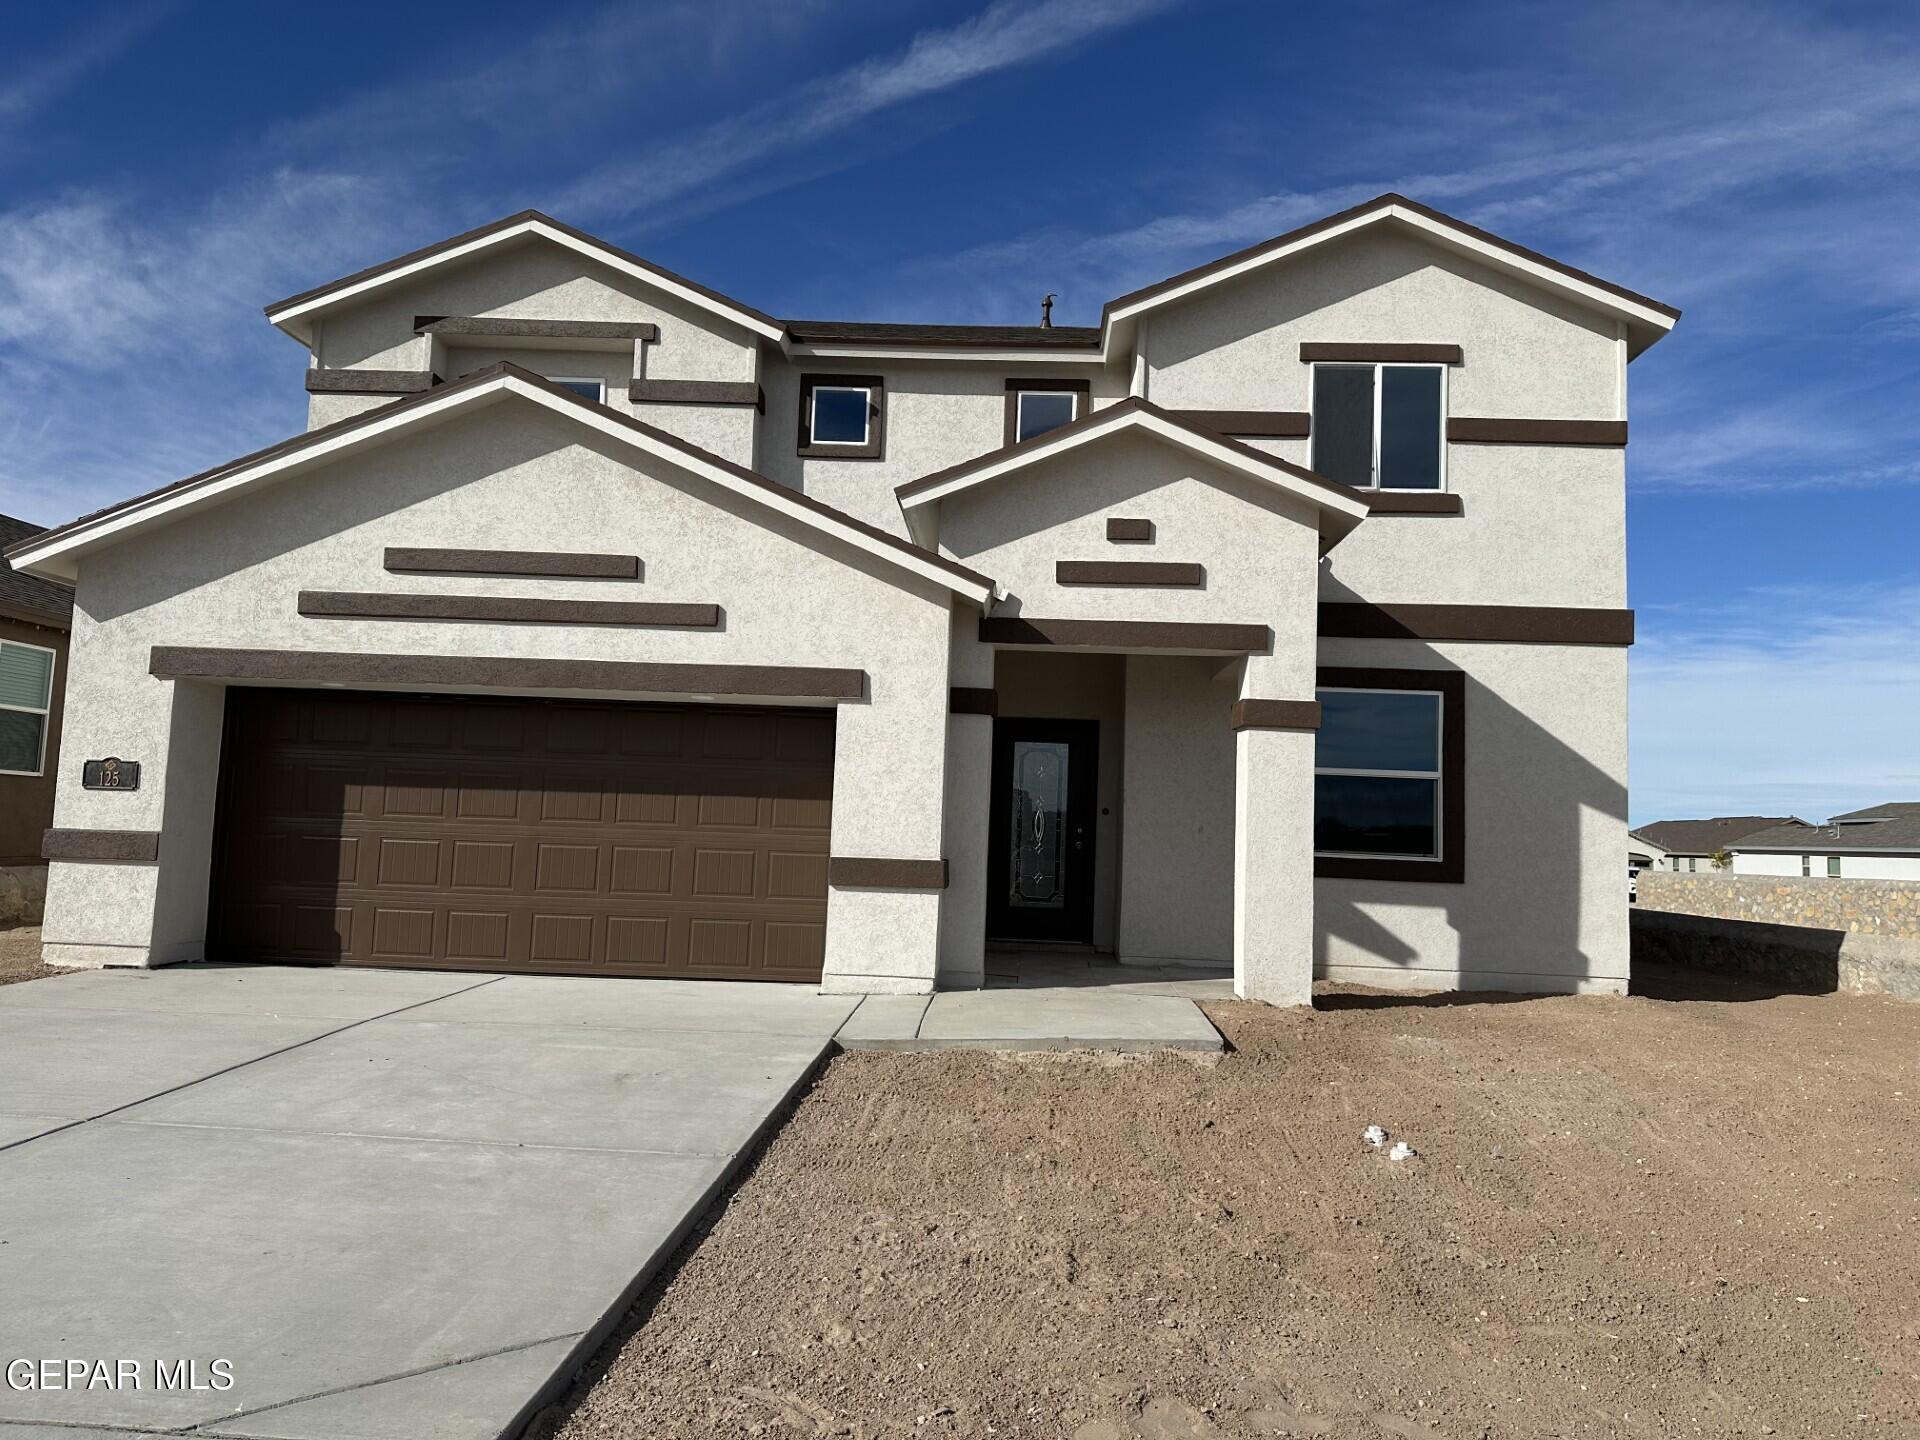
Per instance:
(20,955)
(1628,1217)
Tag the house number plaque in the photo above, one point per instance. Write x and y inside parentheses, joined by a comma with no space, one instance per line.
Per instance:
(111,773)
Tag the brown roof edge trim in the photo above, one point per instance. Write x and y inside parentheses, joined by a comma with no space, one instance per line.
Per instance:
(102,847)
(972,700)
(1122,530)
(506,609)
(1180,635)
(1276,424)
(1451,867)
(1411,502)
(862,872)
(1275,715)
(505,673)
(1170,574)
(368,382)
(1354,212)
(696,392)
(1488,431)
(561,564)
(1403,354)
(39,619)
(1516,624)
(535,329)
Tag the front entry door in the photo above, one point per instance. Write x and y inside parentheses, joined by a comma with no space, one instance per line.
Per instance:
(1040,860)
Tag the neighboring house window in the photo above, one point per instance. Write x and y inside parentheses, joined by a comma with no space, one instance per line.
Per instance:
(587,386)
(1833,867)
(26,694)
(1381,426)
(1036,406)
(842,416)
(1693,864)
(1806,864)
(1389,763)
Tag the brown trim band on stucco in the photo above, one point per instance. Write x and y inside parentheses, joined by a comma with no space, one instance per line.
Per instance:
(863,872)
(1275,715)
(1082,407)
(1411,502)
(102,847)
(368,382)
(526,610)
(876,446)
(1451,867)
(1518,624)
(508,329)
(1276,424)
(1122,531)
(696,392)
(972,700)
(1468,430)
(1384,354)
(560,564)
(514,674)
(1193,637)
(1170,574)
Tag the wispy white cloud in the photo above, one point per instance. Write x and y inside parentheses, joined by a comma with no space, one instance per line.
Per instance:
(36,80)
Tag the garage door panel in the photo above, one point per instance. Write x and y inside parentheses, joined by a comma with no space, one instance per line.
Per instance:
(375,844)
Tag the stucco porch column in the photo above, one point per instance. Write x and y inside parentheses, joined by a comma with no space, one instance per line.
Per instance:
(1273,841)
(971,707)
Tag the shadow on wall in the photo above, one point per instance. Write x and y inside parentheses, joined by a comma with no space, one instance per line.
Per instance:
(1693,957)
(1527,796)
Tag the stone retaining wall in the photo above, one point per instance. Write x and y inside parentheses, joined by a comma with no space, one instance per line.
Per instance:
(1887,908)
(1795,957)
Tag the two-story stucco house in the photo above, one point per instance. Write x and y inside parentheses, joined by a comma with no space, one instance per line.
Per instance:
(603,624)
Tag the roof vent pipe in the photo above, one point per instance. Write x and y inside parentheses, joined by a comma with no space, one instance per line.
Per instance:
(1046,313)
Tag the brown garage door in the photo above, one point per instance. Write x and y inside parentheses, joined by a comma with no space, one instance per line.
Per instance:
(448,832)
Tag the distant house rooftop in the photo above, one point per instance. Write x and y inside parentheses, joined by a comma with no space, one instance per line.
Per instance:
(28,597)
(1706,837)
(1890,827)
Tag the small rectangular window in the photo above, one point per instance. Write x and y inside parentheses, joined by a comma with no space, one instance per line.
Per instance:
(588,387)
(1806,864)
(842,417)
(1833,867)
(840,414)
(1376,786)
(1380,426)
(1035,406)
(26,695)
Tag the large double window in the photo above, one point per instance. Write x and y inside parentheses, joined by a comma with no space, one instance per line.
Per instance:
(1381,426)
(26,695)
(1387,778)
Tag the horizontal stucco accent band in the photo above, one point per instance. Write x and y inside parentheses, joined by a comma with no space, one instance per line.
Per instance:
(492,326)
(513,674)
(1521,624)
(1275,715)
(361,605)
(1181,635)
(972,700)
(565,564)
(1169,573)
(1390,354)
(369,382)
(1123,531)
(862,872)
(1283,424)
(1488,431)
(102,847)
(696,392)
(1411,502)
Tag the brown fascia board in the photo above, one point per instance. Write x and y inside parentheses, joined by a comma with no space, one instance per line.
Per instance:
(1365,351)
(973,700)
(102,847)
(511,329)
(1274,715)
(696,392)
(958,337)
(368,382)
(1516,624)
(861,872)
(1490,431)
(1411,502)
(1379,202)
(1272,424)
(45,619)
(506,609)
(563,564)
(492,372)
(1185,636)
(1170,574)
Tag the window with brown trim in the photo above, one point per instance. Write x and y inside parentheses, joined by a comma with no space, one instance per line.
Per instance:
(843,417)
(1389,775)
(1036,406)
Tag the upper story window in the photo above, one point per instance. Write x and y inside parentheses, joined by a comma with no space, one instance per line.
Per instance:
(590,387)
(26,694)
(1381,426)
(842,416)
(1036,406)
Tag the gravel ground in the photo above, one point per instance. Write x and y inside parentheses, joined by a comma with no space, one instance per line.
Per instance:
(1628,1217)
(20,955)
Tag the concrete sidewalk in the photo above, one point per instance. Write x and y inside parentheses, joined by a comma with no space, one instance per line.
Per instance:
(401,1205)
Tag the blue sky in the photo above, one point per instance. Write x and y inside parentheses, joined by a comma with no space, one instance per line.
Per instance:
(165,169)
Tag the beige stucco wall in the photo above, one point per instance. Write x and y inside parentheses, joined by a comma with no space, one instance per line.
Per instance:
(937,416)
(512,476)
(1544,905)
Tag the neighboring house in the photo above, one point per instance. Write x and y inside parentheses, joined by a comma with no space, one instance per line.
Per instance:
(35,615)
(1878,843)
(1690,845)
(602,623)
(1644,853)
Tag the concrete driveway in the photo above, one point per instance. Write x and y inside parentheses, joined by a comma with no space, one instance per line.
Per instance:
(396,1204)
